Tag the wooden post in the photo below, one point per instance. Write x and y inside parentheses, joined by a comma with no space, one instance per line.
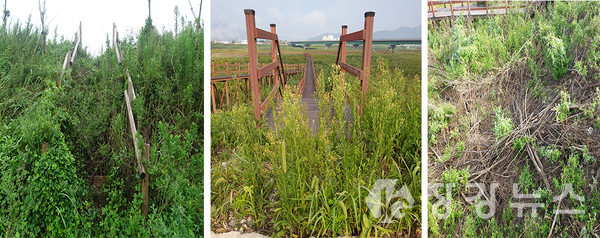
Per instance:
(253,61)
(451,8)
(130,89)
(77,43)
(116,42)
(145,181)
(366,64)
(44,147)
(273,53)
(227,82)
(67,60)
(342,53)
(469,6)
(141,169)
(432,8)
(212,64)
(74,50)
(212,94)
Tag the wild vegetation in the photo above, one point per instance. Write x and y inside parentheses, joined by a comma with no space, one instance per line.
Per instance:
(58,132)
(293,180)
(513,100)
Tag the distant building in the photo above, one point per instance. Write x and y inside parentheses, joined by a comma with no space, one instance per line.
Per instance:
(330,37)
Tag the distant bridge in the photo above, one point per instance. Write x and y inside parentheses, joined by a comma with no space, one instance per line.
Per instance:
(392,43)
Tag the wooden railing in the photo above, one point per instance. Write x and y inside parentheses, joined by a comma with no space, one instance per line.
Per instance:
(70,57)
(472,7)
(129,97)
(224,73)
(221,72)
(276,66)
(365,35)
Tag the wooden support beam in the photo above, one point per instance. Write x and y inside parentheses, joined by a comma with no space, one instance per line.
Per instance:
(359,35)
(141,169)
(77,43)
(116,43)
(262,34)
(145,181)
(267,69)
(67,60)
(130,89)
(274,51)
(351,69)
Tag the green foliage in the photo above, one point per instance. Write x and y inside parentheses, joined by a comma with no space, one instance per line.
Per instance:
(587,157)
(556,55)
(439,117)
(470,228)
(562,109)
(496,231)
(293,179)
(526,183)
(502,125)
(455,217)
(549,152)
(520,142)
(581,69)
(81,118)
(459,178)
(38,190)
(572,173)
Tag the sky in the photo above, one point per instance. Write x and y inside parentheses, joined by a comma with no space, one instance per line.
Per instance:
(302,19)
(97,17)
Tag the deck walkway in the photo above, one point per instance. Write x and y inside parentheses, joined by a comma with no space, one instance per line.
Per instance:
(309,99)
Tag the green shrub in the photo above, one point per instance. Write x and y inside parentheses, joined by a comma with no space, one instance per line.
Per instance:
(502,125)
(556,55)
(439,117)
(549,152)
(40,191)
(562,109)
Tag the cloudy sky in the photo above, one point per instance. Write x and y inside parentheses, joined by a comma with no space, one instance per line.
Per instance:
(302,19)
(97,16)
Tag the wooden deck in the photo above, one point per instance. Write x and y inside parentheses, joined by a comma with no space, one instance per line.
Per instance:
(309,100)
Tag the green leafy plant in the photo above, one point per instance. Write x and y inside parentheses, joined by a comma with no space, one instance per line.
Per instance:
(502,125)
(562,109)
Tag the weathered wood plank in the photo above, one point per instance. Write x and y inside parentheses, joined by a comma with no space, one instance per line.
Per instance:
(262,34)
(350,69)
(359,35)
(141,169)
(267,69)
(145,182)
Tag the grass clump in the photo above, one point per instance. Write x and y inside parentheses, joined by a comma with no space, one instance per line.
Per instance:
(294,180)
(80,120)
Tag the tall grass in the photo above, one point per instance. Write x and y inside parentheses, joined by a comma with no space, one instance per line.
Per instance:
(82,120)
(297,180)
